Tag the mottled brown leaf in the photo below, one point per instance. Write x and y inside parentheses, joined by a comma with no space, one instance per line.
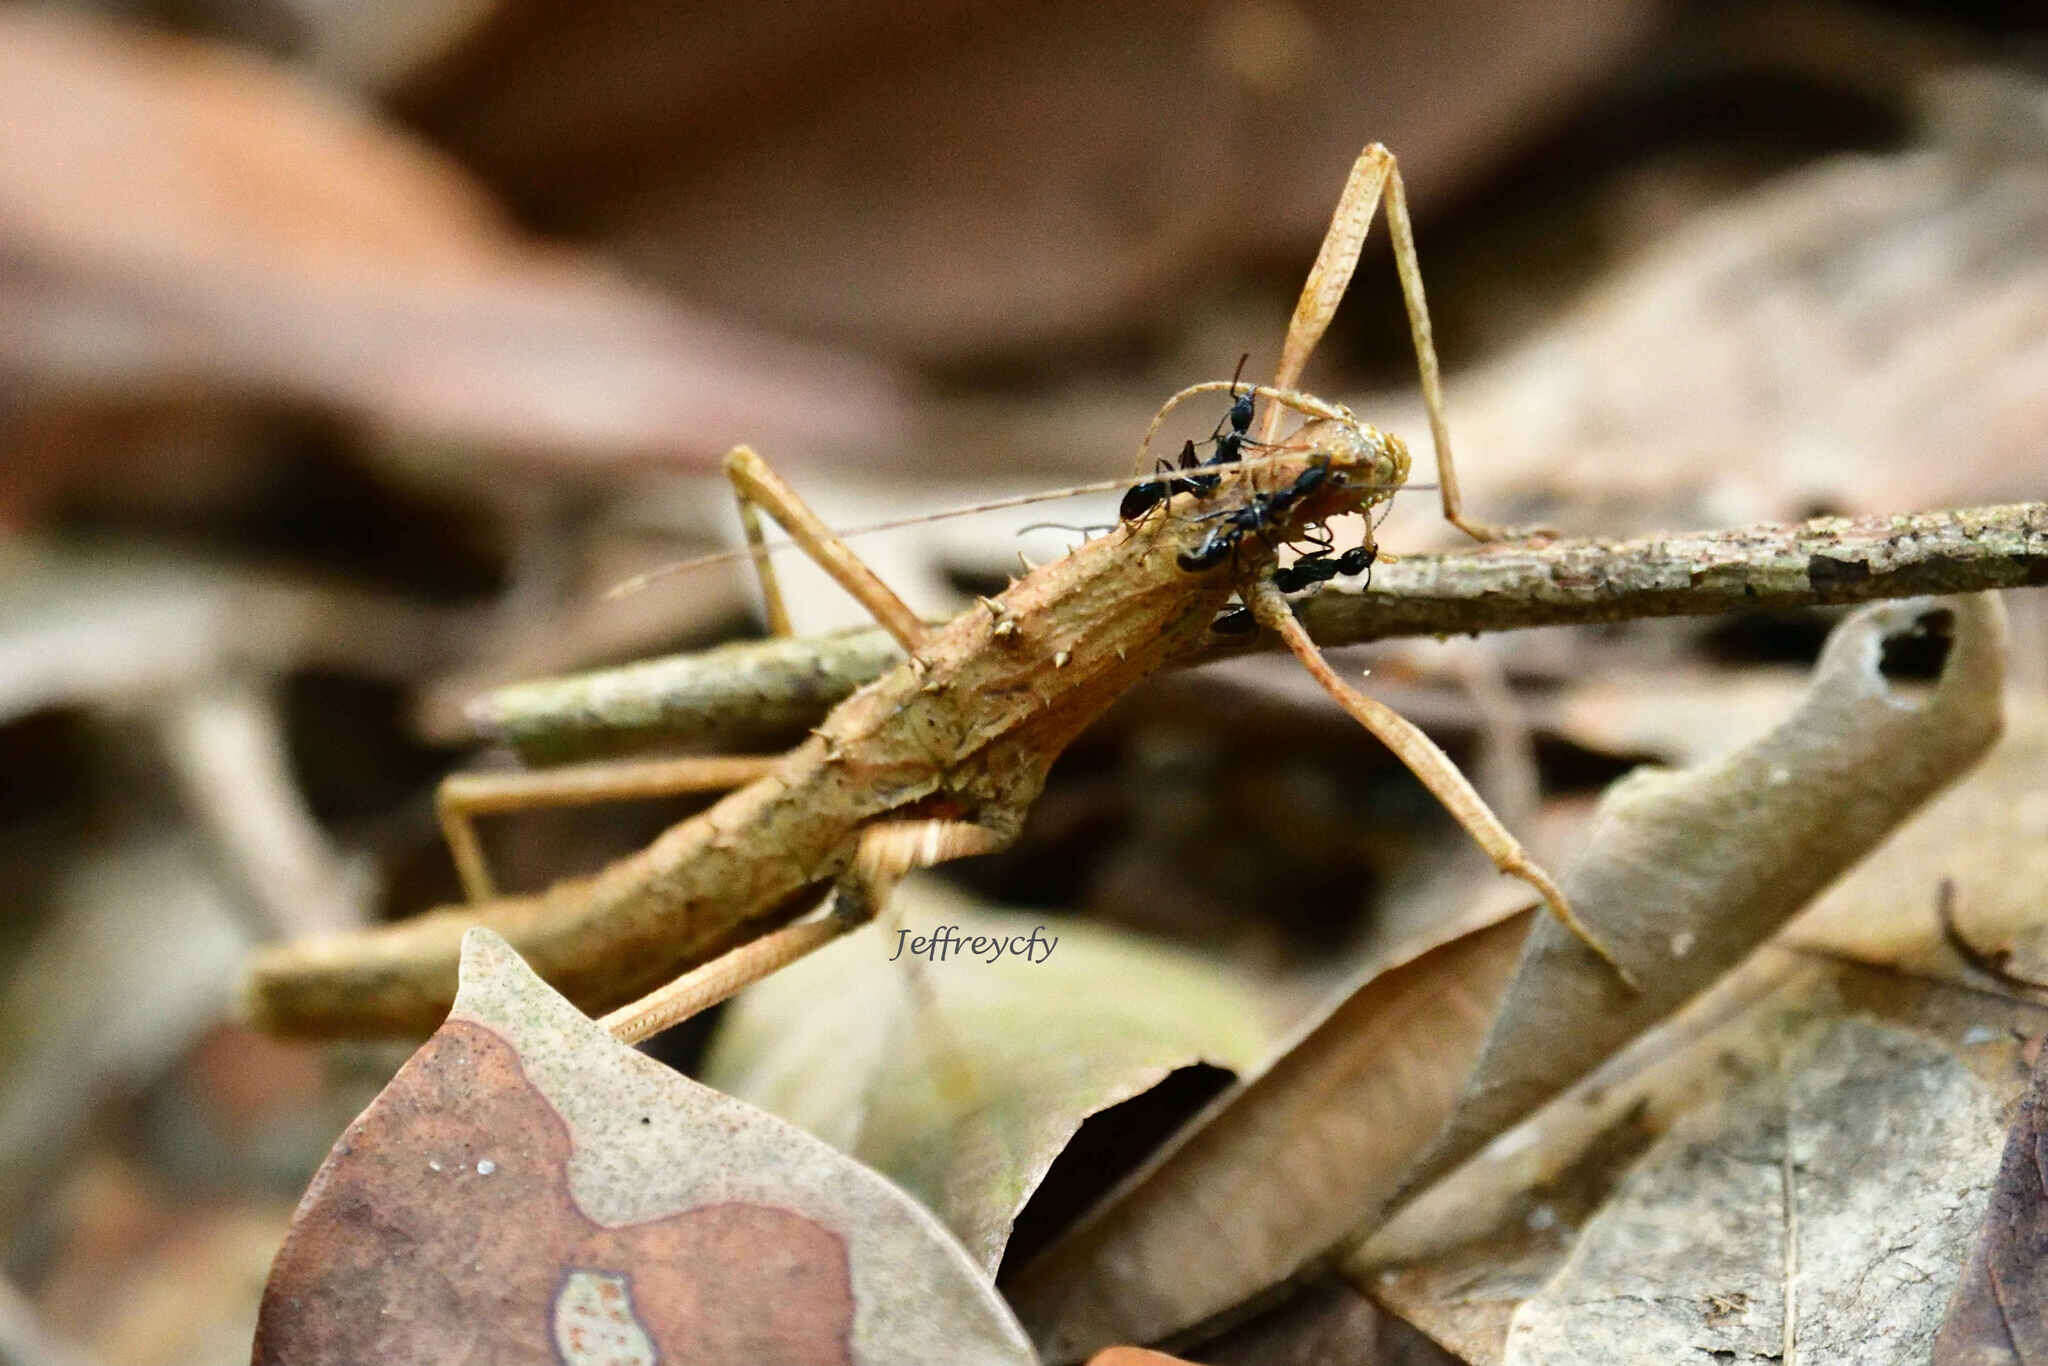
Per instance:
(529,1190)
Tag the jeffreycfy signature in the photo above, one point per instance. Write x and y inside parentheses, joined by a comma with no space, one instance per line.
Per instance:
(945,941)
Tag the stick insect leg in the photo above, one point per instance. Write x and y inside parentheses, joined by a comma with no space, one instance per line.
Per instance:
(465,796)
(886,852)
(1429,764)
(1375,172)
(757,486)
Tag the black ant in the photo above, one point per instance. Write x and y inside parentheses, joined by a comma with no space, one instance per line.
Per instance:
(1318,567)
(1239,418)
(1255,517)
(1142,498)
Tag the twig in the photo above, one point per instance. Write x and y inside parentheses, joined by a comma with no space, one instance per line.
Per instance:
(762,691)
(1827,561)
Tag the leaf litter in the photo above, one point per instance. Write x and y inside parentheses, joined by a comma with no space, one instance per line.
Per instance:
(1949,388)
(1785,814)
(1303,1156)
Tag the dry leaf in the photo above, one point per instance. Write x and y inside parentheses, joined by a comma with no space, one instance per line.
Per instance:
(1819,1213)
(1813,344)
(106,625)
(1689,871)
(529,1189)
(1686,873)
(1281,1168)
(141,939)
(965,1079)
(1000,175)
(1988,837)
(178,216)
(1999,1314)
(1460,1261)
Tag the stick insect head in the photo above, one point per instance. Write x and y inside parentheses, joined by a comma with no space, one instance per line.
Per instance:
(1366,468)
(1332,465)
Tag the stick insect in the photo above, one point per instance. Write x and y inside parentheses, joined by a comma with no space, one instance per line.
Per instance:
(940,758)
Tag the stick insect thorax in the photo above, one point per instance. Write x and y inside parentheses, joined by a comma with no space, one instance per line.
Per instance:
(1332,465)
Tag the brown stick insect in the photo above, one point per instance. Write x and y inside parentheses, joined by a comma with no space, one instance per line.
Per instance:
(940,758)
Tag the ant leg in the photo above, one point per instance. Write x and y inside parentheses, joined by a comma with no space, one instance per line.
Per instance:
(1428,763)
(886,852)
(464,796)
(756,485)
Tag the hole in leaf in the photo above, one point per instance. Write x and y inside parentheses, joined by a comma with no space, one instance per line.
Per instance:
(1918,654)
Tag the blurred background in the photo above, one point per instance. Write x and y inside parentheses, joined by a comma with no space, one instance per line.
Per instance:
(348,352)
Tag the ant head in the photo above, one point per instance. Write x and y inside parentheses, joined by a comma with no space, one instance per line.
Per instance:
(1241,403)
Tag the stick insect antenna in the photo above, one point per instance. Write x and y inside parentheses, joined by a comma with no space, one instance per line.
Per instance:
(637,582)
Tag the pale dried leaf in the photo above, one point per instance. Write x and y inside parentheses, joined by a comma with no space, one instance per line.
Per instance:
(1460,1261)
(1865,335)
(1281,1167)
(1821,1212)
(963,1080)
(1681,715)
(1987,837)
(113,625)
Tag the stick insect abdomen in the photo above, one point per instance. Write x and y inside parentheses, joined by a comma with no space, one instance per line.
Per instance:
(972,724)
(706,885)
